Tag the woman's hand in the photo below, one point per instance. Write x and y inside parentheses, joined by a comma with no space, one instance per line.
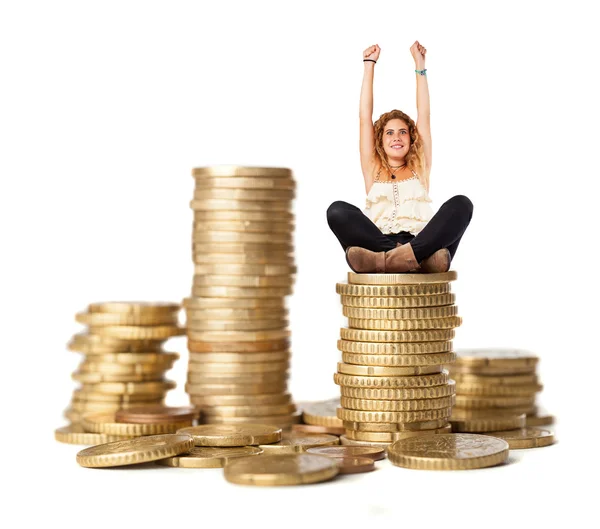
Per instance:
(418,52)
(372,52)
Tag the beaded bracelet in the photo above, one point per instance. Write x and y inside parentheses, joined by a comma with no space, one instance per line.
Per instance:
(421,72)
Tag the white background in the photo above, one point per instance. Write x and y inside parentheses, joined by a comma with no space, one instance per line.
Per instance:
(107,106)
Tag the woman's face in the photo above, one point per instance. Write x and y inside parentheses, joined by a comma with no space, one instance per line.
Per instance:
(396,139)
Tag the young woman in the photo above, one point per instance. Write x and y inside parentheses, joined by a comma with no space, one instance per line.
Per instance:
(398,231)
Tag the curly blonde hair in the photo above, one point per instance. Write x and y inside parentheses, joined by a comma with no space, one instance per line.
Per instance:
(415,158)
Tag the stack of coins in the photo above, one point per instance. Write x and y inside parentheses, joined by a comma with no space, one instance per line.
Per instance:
(124,363)
(399,336)
(237,324)
(496,389)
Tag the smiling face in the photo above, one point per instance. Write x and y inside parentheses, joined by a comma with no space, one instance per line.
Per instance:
(396,140)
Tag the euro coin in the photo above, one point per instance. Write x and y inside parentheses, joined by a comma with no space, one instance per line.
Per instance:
(354,465)
(401,279)
(490,423)
(350,369)
(209,457)
(106,423)
(402,302)
(293,442)
(232,435)
(321,413)
(75,434)
(393,291)
(349,451)
(528,437)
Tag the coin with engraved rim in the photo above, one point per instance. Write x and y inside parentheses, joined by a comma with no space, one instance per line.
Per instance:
(232,435)
(156,414)
(296,442)
(448,452)
(349,451)
(209,456)
(525,437)
(134,451)
(285,469)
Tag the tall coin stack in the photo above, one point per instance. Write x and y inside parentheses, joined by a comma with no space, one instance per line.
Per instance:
(124,363)
(399,336)
(237,326)
(496,389)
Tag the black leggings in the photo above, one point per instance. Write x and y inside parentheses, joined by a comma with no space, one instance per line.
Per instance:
(444,230)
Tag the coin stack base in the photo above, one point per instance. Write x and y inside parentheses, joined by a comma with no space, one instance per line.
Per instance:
(237,321)
(392,379)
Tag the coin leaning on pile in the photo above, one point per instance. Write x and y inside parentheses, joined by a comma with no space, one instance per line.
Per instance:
(392,380)
(236,316)
(124,363)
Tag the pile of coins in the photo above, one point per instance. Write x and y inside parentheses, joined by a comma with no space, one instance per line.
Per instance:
(496,391)
(399,337)
(237,326)
(124,363)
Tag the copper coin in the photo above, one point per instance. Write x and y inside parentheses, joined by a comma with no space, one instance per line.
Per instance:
(314,428)
(354,465)
(156,414)
(370,452)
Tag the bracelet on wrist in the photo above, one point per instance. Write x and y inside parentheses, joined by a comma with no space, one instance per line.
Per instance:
(369,60)
(421,72)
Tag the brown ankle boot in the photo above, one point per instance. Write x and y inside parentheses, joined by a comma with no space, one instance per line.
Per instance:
(400,259)
(437,262)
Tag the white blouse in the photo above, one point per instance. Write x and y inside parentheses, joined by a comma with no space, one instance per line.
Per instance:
(396,206)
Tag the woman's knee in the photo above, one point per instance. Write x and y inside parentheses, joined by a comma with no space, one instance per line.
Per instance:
(462,203)
(337,213)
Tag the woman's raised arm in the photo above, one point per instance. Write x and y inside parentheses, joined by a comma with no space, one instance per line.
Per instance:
(367,136)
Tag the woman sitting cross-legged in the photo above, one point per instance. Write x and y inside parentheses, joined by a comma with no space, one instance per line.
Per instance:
(398,231)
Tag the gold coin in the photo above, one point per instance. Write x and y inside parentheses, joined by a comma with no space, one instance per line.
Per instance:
(203,390)
(239,336)
(94,344)
(193,304)
(250,257)
(158,358)
(398,360)
(234,237)
(232,435)
(495,357)
(280,250)
(106,407)
(396,303)
(240,358)
(502,380)
(448,452)
(148,332)
(106,423)
(362,335)
(241,292)
(539,420)
(133,307)
(488,390)
(525,437)
(476,413)
(212,204)
(155,414)
(281,469)
(350,369)
(390,437)
(395,426)
(76,435)
(494,370)
(375,454)
(231,171)
(245,270)
(243,281)
(90,396)
(134,451)
(241,400)
(243,216)
(294,442)
(396,405)
(401,314)
(209,456)
(107,318)
(241,182)
(400,279)
(246,368)
(250,411)
(123,369)
(315,428)
(131,388)
(494,422)
(346,441)
(433,392)
(395,291)
(380,382)
(367,348)
(393,416)
(236,325)
(354,465)
(281,421)
(321,413)
(468,402)
(406,325)
(236,314)
(239,347)
(99,378)
(237,378)
(242,226)
(253,195)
